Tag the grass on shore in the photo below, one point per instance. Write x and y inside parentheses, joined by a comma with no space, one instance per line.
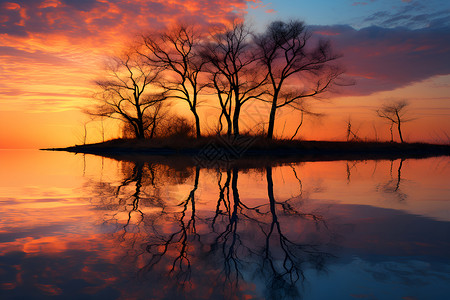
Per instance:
(254,145)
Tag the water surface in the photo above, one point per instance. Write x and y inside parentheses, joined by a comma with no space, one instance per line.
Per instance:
(87,227)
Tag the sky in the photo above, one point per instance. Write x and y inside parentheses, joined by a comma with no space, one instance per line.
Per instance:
(51,51)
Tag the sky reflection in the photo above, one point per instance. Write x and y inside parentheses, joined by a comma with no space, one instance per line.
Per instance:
(105,229)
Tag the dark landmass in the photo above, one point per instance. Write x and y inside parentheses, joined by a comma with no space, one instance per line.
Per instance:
(252,150)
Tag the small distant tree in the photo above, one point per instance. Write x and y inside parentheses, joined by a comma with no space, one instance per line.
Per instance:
(127,93)
(352,135)
(395,113)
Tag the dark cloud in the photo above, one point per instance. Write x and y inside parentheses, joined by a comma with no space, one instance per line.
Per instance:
(10,21)
(413,14)
(382,59)
(92,17)
(83,5)
(30,17)
(32,57)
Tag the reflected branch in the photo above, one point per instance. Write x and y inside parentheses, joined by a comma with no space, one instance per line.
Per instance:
(393,186)
(229,240)
(224,191)
(283,264)
(244,239)
(181,264)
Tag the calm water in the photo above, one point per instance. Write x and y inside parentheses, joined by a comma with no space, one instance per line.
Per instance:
(86,227)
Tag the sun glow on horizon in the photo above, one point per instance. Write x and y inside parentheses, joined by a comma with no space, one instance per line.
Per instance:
(52,51)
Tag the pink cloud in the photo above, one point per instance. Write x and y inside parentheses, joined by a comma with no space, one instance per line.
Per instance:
(387,58)
(44,40)
(99,18)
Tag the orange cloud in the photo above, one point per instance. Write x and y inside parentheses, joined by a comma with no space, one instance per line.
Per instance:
(11,6)
(51,50)
(50,3)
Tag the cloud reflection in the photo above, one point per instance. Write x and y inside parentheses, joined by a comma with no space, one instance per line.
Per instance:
(181,231)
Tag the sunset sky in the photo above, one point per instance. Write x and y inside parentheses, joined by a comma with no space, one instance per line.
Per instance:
(51,51)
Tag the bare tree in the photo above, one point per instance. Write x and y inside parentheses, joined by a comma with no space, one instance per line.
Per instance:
(232,63)
(127,93)
(288,56)
(224,94)
(176,50)
(395,113)
(352,135)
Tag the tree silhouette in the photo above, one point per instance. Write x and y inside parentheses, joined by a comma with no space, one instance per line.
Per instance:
(286,53)
(393,186)
(232,64)
(282,66)
(176,52)
(395,113)
(177,241)
(127,93)
(292,255)
(224,95)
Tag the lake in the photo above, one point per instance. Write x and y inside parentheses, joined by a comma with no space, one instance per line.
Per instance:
(87,227)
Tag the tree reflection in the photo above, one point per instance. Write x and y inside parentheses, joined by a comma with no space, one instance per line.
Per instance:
(236,242)
(136,178)
(283,258)
(161,243)
(393,186)
(228,240)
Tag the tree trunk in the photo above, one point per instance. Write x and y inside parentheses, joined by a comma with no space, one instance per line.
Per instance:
(152,132)
(228,119)
(237,111)
(229,123)
(229,126)
(392,134)
(135,128)
(398,125)
(141,131)
(399,132)
(85,134)
(228,116)
(197,123)
(139,120)
(273,111)
(301,123)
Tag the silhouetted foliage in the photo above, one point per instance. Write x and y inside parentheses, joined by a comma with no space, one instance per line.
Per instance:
(177,126)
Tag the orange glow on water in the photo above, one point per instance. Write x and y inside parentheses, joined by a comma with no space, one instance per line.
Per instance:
(103,220)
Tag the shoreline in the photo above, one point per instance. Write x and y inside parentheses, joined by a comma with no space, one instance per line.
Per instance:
(253,151)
